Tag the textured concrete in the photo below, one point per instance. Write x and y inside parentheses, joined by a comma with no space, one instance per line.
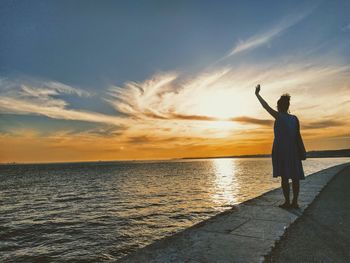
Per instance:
(322,234)
(246,233)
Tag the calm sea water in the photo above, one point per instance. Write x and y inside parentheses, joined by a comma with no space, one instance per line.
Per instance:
(102,211)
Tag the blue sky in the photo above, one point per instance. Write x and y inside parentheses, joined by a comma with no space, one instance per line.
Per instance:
(91,44)
(78,58)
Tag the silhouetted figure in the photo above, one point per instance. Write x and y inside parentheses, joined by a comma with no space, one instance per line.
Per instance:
(288,149)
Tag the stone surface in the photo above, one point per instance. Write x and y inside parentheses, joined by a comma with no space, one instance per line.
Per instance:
(322,234)
(263,229)
(245,233)
(224,224)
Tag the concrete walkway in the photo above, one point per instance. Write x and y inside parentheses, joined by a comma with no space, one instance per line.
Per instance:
(322,234)
(246,233)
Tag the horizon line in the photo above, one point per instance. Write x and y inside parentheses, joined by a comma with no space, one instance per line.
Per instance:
(258,155)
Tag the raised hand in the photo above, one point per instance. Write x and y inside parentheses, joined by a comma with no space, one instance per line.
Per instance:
(264,103)
(257,89)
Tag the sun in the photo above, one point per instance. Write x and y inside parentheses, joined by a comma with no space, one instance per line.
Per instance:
(221,105)
(221,128)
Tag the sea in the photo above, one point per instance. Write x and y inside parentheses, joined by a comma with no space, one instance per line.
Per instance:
(102,211)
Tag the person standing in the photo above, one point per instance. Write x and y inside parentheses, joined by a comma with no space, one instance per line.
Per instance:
(288,148)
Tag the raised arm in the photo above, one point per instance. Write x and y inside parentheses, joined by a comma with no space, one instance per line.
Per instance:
(264,103)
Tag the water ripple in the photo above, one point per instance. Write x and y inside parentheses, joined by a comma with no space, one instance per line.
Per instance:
(99,212)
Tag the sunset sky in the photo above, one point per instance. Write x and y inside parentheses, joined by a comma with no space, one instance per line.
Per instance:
(111,80)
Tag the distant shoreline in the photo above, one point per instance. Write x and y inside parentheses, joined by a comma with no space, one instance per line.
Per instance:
(310,154)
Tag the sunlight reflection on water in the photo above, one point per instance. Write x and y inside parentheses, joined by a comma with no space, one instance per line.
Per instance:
(225,181)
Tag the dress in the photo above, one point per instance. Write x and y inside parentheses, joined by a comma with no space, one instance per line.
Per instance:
(285,160)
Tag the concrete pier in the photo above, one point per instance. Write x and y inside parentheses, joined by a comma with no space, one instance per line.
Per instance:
(245,233)
(322,233)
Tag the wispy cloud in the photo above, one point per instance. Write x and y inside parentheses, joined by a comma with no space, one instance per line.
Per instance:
(320,124)
(144,99)
(266,36)
(43,100)
(249,120)
(167,96)
(323,124)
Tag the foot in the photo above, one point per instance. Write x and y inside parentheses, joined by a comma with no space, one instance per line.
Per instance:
(285,205)
(295,205)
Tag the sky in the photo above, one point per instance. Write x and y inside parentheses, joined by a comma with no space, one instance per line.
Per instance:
(127,80)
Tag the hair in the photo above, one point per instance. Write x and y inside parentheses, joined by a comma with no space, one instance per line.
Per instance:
(283,103)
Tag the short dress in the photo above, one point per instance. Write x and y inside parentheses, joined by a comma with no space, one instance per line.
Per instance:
(285,160)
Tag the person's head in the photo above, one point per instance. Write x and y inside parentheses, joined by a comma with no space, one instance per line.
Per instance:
(283,103)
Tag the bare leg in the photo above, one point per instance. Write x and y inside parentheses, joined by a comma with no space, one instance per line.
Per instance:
(296,187)
(285,188)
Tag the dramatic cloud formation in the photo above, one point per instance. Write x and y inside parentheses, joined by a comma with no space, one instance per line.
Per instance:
(172,113)
(217,95)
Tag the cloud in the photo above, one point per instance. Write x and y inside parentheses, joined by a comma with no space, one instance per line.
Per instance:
(136,99)
(249,120)
(192,117)
(145,139)
(306,125)
(176,116)
(44,100)
(38,87)
(166,96)
(323,124)
(51,88)
(264,37)
(341,136)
